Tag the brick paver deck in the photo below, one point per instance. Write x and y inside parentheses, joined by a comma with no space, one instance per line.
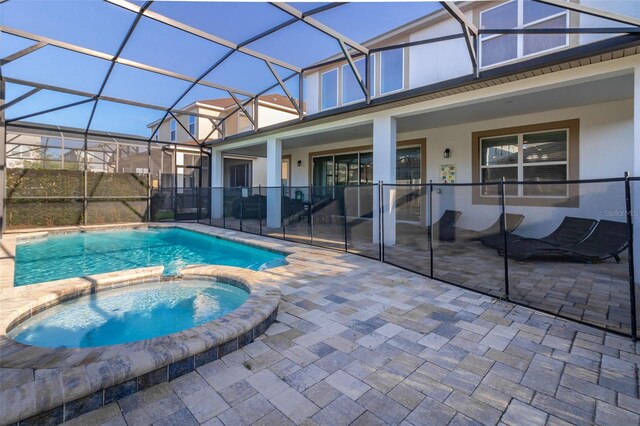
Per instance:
(361,342)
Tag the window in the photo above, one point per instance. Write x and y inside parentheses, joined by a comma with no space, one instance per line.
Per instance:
(391,70)
(372,64)
(330,89)
(192,125)
(239,175)
(356,167)
(172,130)
(351,90)
(285,172)
(531,154)
(497,48)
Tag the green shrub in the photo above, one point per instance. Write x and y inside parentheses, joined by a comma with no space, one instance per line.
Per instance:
(43,213)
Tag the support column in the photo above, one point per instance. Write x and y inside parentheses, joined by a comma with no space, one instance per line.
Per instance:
(384,169)
(635,172)
(217,184)
(274,183)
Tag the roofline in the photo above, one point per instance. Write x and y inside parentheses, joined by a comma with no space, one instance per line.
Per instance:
(567,55)
(217,108)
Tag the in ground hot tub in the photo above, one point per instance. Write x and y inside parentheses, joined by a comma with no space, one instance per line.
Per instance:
(129,314)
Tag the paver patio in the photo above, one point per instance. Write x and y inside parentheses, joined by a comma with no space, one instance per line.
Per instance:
(361,342)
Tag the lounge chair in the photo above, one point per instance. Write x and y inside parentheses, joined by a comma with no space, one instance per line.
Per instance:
(443,228)
(608,239)
(572,230)
(513,221)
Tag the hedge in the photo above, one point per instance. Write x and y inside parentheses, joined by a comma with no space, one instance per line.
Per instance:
(34,183)
(44,183)
(43,213)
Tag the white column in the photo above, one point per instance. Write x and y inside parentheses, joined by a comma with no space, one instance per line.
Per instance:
(217,182)
(274,182)
(635,185)
(384,169)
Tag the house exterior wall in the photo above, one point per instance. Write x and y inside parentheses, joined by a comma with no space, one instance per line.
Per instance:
(203,126)
(606,135)
(431,63)
(268,116)
(628,8)
(436,62)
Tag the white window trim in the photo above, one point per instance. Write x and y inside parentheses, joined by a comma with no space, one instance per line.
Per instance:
(520,37)
(173,131)
(338,82)
(381,93)
(372,63)
(192,122)
(342,69)
(520,165)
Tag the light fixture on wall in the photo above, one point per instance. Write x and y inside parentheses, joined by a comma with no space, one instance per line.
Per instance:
(447,153)
(299,163)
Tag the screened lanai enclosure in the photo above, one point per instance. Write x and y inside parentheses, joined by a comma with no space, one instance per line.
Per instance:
(112,111)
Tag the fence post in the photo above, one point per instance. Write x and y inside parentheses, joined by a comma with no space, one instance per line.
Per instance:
(430,234)
(311,214)
(241,209)
(503,230)
(344,214)
(632,278)
(210,205)
(149,193)
(381,204)
(175,203)
(282,212)
(260,208)
(224,215)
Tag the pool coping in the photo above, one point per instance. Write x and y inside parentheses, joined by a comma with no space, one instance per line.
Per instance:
(78,380)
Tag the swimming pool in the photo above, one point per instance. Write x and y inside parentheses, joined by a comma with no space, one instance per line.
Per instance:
(129,314)
(87,253)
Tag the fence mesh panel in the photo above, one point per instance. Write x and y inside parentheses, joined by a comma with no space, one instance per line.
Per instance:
(411,249)
(328,219)
(271,203)
(562,259)
(296,214)
(461,222)
(162,205)
(359,209)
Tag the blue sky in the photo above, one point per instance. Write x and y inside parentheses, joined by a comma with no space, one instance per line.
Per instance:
(101,26)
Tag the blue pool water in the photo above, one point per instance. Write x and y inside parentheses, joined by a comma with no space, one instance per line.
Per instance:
(80,254)
(128,314)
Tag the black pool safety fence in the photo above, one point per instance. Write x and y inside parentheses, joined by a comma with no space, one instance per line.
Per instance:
(561,247)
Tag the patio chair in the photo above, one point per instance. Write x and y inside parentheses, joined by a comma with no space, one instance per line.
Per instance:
(572,230)
(608,239)
(444,228)
(513,221)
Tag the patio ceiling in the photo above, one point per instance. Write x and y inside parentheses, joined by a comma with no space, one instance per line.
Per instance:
(116,66)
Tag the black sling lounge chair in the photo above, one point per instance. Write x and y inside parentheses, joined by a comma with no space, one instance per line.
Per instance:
(443,228)
(572,230)
(608,239)
(513,221)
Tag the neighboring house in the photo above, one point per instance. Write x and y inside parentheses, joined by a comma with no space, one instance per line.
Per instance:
(244,170)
